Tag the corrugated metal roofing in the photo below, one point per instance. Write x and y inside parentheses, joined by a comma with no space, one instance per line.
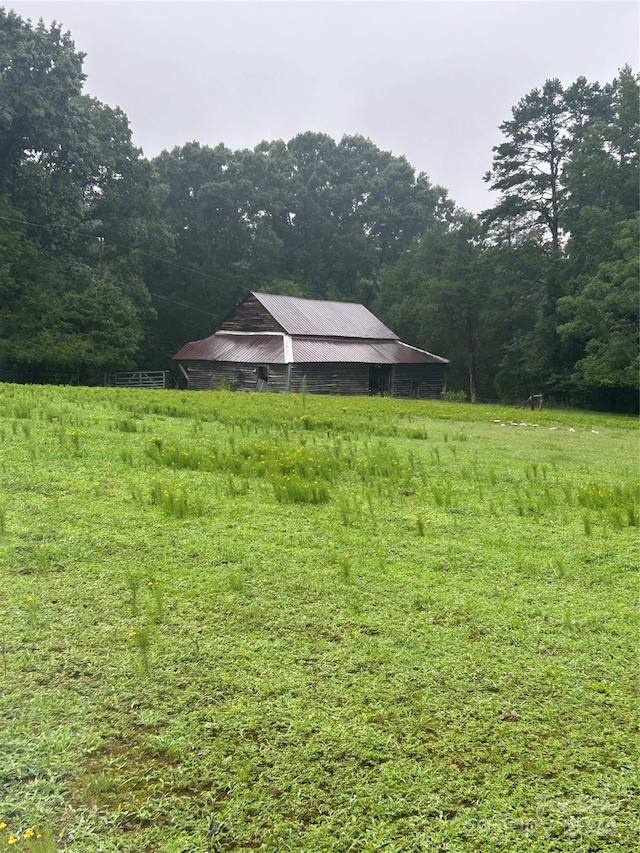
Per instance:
(362,352)
(271,349)
(263,349)
(324,319)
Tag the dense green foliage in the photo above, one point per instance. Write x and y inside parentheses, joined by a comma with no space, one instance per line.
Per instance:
(311,218)
(535,295)
(541,294)
(234,622)
(68,172)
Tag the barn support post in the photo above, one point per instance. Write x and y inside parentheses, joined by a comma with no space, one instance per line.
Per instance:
(184,372)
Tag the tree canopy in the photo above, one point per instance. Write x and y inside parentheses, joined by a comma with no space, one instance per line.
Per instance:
(109,260)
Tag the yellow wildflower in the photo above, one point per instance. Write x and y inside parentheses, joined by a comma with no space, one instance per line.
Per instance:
(28,833)
(12,840)
(3,825)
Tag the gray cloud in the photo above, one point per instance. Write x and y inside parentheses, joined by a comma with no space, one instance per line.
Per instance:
(430,80)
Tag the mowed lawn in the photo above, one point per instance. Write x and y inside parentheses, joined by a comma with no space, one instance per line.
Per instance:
(292,623)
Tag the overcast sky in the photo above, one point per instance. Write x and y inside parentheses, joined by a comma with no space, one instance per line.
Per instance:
(428,80)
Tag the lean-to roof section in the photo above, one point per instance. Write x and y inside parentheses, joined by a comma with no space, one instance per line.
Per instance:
(280,349)
(306,350)
(263,349)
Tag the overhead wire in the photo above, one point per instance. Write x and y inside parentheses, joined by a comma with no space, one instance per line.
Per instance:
(136,248)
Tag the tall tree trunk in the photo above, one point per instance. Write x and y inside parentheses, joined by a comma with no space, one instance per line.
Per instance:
(473,349)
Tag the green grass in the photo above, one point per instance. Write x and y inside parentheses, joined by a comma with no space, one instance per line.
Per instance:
(291,623)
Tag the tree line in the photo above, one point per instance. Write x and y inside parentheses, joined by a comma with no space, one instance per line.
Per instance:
(111,261)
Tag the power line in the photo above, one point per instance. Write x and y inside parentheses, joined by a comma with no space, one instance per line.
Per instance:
(142,289)
(135,248)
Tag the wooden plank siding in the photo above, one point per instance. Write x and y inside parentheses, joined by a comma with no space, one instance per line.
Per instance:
(419,381)
(321,378)
(251,316)
(326,378)
(207,375)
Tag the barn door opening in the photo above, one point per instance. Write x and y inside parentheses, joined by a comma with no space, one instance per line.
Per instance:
(380,379)
(262,378)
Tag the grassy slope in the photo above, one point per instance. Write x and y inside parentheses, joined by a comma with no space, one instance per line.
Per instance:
(441,656)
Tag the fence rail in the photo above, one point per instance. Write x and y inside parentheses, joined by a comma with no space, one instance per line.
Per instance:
(143,379)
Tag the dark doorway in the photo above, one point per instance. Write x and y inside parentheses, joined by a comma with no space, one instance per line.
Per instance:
(380,379)
(262,379)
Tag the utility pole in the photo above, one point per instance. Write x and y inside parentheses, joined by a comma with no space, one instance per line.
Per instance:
(101,255)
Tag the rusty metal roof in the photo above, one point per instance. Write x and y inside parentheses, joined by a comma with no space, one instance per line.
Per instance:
(245,347)
(321,318)
(362,352)
(252,348)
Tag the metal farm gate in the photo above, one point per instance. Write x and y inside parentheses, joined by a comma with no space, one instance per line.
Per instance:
(143,379)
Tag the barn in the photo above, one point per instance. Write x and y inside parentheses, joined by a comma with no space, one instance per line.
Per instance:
(284,343)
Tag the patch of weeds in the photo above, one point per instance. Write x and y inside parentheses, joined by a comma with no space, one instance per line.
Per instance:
(442,494)
(33,839)
(157,603)
(607,499)
(349,514)
(421,603)
(236,486)
(174,500)
(616,519)
(137,494)
(344,568)
(236,582)
(417,433)
(52,415)
(295,490)
(133,580)
(371,506)
(454,396)
(43,559)
(163,745)
(101,783)
(558,567)
(74,442)
(31,611)
(126,425)
(141,640)
(22,411)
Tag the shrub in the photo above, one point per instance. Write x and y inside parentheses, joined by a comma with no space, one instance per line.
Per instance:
(454,396)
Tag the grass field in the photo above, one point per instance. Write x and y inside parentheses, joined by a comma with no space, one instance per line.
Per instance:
(291,623)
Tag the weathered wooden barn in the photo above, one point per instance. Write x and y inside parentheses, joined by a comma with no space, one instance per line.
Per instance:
(272,343)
